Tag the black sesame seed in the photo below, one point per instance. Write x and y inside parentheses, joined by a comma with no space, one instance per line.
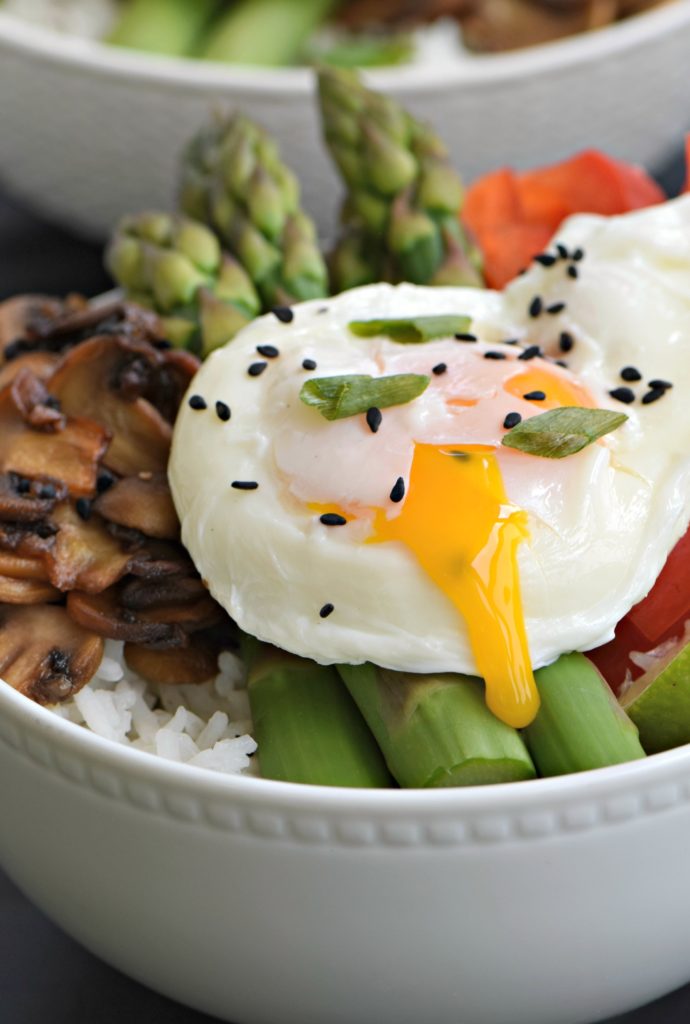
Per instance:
(309,364)
(256,369)
(535,307)
(439,369)
(665,384)
(545,259)
(653,395)
(626,395)
(332,519)
(572,271)
(494,355)
(566,341)
(197,402)
(244,485)
(162,344)
(223,411)
(23,486)
(269,351)
(104,481)
(561,362)
(531,352)
(465,336)
(561,250)
(631,373)
(512,420)
(47,492)
(284,314)
(322,310)
(52,402)
(83,506)
(398,492)
(374,418)
(326,610)
(555,307)
(535,396)
(578,255)
(511,341)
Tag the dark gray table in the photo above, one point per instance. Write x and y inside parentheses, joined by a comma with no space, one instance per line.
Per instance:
(45,977)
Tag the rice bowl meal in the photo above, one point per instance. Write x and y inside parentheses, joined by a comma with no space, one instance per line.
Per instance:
(344,597)
(404,509)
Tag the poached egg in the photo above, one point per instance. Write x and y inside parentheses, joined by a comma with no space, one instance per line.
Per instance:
(443,550)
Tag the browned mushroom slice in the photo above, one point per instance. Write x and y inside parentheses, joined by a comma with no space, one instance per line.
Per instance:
(28,501)
(141,503)
(70,454)
(139,594)
(168,385)
(192,617)
(41,364)
(44,654)
(19,314)
(96,379)
(37,406)
(14,591)
(19,568)
(192,665)
(27,540)
(84,555)
(162,559)
(499,25)
(104,614)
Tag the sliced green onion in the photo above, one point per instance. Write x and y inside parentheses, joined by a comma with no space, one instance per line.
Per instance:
(412,330)
(336,398)
(560,432)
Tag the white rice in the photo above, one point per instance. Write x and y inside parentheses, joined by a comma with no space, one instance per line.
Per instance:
(208,725)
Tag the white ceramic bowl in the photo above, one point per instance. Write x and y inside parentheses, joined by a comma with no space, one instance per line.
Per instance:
(90,132)
(558,901)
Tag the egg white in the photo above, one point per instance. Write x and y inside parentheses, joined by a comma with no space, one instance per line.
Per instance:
(601,522)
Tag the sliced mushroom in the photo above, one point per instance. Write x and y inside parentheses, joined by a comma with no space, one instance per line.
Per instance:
(84,555)
(27,540)
(19,568)
(28,501)
(44,654)
(41,364)
(95,379)
(37,406)
(190,665)
(27,591)
(70,454)
(141,503)
(19,315)
(140,594)
(105,615)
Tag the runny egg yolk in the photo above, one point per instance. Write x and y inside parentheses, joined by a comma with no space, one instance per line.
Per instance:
(460,526)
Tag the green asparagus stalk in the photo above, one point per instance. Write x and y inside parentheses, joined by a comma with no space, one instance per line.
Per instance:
(172,27)
(436,730)
(234,180)
(404,199)
(267,32)
(307,727)
(175,266)
(579,724)
(364,51)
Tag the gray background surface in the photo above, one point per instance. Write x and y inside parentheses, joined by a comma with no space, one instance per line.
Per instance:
(45,977)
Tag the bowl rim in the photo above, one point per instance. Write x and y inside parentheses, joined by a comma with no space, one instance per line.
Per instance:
(508,798)
(471,72)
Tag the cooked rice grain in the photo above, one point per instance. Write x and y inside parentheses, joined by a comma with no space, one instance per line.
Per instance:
(207,726)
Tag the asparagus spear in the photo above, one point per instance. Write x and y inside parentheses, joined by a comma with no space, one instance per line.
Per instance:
(175,265)
(436,730)
(580,724)
(163,26)
(307,727)
(404,199)
(233,180)
(268,32)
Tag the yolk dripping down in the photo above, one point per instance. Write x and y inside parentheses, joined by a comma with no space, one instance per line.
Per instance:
(458,523)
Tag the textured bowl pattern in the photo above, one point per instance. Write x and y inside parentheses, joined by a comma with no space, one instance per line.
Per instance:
(556,902)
